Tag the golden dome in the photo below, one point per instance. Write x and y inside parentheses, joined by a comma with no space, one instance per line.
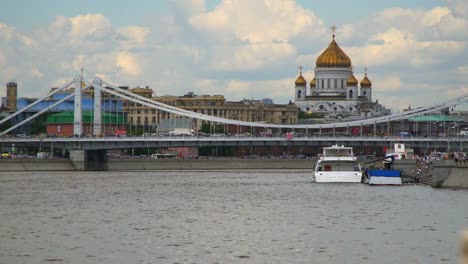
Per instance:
(312,83)
(366,83)
(300,81)
(333,56)
(352,81)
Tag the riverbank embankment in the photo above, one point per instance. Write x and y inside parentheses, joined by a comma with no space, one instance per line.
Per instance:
(160,164)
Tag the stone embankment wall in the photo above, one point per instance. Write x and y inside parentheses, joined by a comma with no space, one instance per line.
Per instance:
(160,164)
(210,164)
(450,174)
(36,165)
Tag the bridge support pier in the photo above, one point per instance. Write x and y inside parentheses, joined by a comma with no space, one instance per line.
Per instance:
(89,160)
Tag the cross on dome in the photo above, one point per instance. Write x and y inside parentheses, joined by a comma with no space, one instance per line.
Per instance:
(333,28)
(365,70)
(300,69)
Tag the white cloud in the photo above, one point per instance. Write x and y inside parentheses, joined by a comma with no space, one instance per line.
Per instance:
(135,34)
(396,46)
(458,7)
(385,83)
(90,25)
(257,21)
(458,92)
(36,73)
(235,90)
(463,70)
(6,32)
(245,49)
(250,57)
(128,63)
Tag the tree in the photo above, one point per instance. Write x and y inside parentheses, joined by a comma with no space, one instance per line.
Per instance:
(38,125)
(216,129)
(6,125)
(305,115)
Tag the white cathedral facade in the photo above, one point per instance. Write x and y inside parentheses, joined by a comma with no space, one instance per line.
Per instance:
(334,91)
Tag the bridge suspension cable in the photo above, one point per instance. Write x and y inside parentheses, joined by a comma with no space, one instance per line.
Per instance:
(38,101)
(37,114)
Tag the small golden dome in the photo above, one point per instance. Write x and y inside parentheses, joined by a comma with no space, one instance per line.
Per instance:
(300,81)
(366,83)
(312,83)
(333,56)
(352,81)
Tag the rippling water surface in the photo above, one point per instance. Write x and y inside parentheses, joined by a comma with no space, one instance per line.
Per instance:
(223,217)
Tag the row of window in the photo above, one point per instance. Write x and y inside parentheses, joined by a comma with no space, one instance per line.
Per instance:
(9,92)
(321,107)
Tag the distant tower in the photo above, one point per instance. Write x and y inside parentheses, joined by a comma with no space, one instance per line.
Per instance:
(352,83)
(12,96)
(301,87)
(366,85)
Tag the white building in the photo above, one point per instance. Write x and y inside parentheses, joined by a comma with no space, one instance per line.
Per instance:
(334,91)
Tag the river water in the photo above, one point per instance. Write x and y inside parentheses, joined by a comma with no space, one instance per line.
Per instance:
(223,217)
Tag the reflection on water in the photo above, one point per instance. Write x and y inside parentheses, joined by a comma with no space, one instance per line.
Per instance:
(222,217)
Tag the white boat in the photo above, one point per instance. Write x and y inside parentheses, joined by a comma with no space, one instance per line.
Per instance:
(337,164)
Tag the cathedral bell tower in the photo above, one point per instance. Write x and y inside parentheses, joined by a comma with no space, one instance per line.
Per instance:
(352,89)
(366,87)
(301,87)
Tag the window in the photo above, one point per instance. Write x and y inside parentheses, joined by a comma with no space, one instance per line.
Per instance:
(335,81)
(321,107)
(364,93)
(323,82)
(307,108)
(299,94)
(350,93)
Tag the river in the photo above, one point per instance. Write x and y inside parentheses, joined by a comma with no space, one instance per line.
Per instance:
(275,216)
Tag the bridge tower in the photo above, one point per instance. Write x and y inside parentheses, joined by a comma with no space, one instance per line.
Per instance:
(78,113)
(97,123)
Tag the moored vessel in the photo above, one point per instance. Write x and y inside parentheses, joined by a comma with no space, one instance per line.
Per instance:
(337,164)
(386,175)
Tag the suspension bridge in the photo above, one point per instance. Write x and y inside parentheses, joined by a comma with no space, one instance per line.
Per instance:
(312,134)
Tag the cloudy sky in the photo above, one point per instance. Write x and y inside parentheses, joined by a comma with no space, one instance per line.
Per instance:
(416,51)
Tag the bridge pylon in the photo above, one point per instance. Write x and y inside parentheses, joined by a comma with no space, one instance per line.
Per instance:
(97,109)
(78,111)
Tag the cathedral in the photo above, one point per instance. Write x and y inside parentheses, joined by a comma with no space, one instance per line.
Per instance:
(334,91)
